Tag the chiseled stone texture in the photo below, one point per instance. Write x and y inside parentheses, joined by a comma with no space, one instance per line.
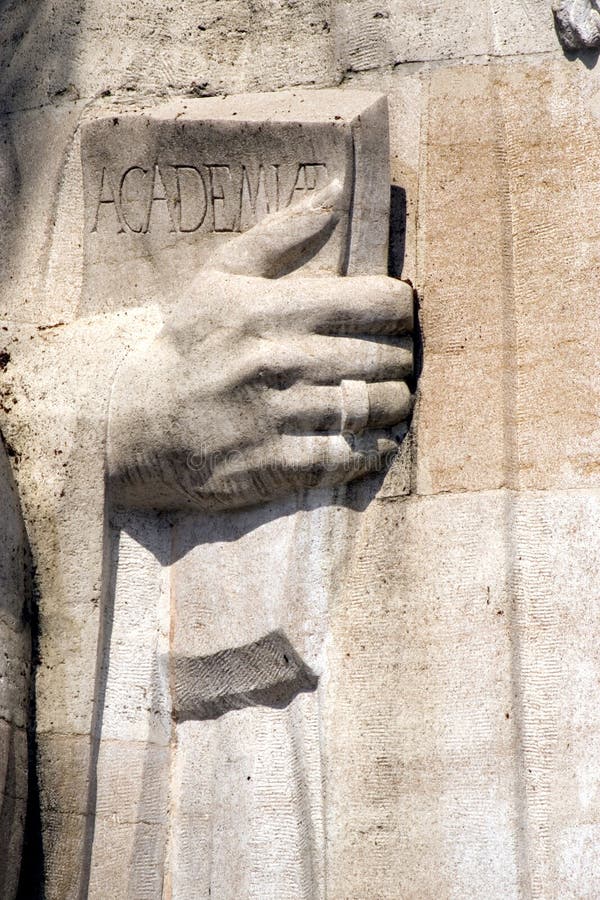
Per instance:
(508,316)
(469,686)
(81,51)
(376,33)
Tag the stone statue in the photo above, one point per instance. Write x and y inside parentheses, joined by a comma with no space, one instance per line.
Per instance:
(263,386)
(258,378)
(375,688)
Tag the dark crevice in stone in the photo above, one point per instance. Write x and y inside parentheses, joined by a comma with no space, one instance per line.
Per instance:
(31,881)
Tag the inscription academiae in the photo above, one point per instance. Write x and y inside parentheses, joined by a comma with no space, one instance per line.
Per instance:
(208,197)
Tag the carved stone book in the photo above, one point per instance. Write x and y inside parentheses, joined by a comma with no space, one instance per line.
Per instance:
(163,188)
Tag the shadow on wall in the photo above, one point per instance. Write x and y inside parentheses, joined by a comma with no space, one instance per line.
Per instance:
(36,49)
(31,878)
(589,58)
(396,255)
(397,244)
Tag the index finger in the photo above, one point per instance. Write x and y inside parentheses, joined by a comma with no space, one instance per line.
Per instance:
(354,305)
(285,239)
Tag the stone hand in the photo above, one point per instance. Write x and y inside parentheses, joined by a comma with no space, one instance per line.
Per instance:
(260,385)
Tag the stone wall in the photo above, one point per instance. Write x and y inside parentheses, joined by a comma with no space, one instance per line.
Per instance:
(463,654)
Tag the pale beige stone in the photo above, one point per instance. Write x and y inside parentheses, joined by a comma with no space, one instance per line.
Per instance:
(462,726)
(375,34)
(56,55)
(113,676)
(506,268)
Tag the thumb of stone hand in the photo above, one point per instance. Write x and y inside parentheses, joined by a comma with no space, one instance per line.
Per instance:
(285,240)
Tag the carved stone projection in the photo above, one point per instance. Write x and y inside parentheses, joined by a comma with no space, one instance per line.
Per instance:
(578,23)
(259,382)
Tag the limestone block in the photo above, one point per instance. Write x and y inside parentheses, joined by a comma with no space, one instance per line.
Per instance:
(42,215)
(363,35)
(254,776)
(14,671)
(13,804)
(419,712)
(136,704)
(379,33)
(131,820)
(102,686)
(407,103)
(15,659)
(503,308)
(127,827)
(461,721)
(248,789)
(280,733)
(60,790)
(127,853)
(453,637)
(171,182)
(207,443)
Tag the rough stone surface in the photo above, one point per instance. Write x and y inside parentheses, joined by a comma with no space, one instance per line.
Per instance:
(119,681)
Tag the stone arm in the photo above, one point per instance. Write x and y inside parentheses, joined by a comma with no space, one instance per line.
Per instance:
(258,386)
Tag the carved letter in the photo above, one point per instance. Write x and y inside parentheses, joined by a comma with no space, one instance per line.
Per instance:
(254,204)
(310,177)
(195,191)
(275,168)
(106,184)
(160,197)
(220,195)
(125,200)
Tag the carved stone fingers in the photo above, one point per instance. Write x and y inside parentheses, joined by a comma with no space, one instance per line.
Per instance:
(307,409)
(369,305)
(294,461)
(284,240)
(331,360)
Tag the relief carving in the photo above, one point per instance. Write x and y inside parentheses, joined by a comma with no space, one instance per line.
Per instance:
(250,376)
(240,356)
(208,197)
(272,375)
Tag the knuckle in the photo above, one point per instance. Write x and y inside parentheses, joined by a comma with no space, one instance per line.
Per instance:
(400,286)
(274,366)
